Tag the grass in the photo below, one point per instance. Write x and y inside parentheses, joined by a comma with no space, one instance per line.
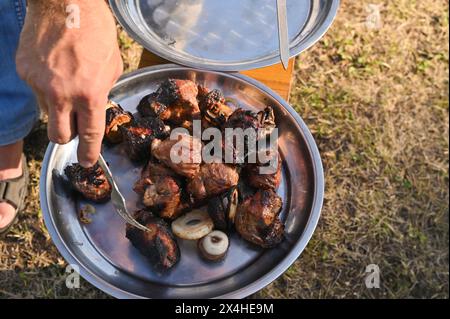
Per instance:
(376,101)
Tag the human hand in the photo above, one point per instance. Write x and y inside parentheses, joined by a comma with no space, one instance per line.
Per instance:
(71,70)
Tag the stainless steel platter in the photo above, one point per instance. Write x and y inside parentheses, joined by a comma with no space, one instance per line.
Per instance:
(231,35)
(108,260)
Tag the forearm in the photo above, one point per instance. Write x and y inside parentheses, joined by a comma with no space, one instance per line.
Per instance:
(57,9)
(58,19)
(58,4)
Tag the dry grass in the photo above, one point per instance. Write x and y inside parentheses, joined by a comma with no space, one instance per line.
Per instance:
(376,101)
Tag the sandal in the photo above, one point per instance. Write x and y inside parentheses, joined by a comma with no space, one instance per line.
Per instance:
(14,191)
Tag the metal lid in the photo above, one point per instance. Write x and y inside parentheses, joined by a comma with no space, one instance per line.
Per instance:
(231,35)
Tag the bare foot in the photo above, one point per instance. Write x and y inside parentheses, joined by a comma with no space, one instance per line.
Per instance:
(10,167)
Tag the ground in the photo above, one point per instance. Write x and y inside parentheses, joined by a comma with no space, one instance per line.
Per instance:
(376,100)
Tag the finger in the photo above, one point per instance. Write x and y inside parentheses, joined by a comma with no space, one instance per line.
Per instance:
(91,127)
(61,124)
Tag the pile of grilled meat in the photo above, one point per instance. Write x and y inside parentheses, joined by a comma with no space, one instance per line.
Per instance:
(237,196)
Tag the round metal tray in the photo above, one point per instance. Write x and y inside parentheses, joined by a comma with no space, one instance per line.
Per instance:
(231,35)
(109,261)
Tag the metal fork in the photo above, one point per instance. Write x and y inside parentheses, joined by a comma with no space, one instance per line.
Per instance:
(117,198)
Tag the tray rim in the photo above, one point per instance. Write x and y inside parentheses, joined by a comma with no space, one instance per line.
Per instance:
(263,281)
(164,53)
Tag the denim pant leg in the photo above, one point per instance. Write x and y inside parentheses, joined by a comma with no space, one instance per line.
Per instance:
(18,107)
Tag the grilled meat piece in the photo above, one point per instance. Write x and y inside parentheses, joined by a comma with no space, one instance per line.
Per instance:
(257,219)
(150,106)
(222,209)
(212,97)
(214,110)
(90,182)
(161,191)
(247,121)
(212,180)
(115,118)
(165,196)
(263,175)
(150,171)
(139,136)
(187,150)
(244,119)
(217,211)
(159,245)
(202,92)
(266,121)
(263,181)
(138,139)
(174,101)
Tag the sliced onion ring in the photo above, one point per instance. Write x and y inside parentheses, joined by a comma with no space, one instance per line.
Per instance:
(214,246)
(193,225)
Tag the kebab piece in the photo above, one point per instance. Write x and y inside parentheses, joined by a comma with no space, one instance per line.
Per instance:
(202,92)
(222,209)
(257,219)
(115,118)
(267,174)
(214,110)
(266,122)
(158,245)
(160,190)
(89,182)
(243,119)
(247,121)
(140,134)
(213,179)
(175,101)
(262,180)
(182,155)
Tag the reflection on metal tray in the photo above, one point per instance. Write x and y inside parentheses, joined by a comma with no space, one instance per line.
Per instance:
(109,261)
(231,35)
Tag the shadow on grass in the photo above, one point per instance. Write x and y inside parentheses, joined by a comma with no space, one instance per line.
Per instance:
(36,142)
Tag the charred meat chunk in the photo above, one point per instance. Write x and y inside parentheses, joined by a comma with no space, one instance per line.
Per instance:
(137,140)
(240,148)
(89,182)
(212,97)
(214,110)
(257,219)
(139,136)
(150,106)
(212,180)
(266,121)
(187,151)
(160,190)
(243,119)
(165,196)
(175,101)
(115,118)
(222,209)
(202,92)
(158,245)
(264,175)
(150,171)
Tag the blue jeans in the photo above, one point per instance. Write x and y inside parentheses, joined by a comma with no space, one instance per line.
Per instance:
(18,107)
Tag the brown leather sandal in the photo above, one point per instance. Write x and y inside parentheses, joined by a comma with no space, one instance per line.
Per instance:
(14,191)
